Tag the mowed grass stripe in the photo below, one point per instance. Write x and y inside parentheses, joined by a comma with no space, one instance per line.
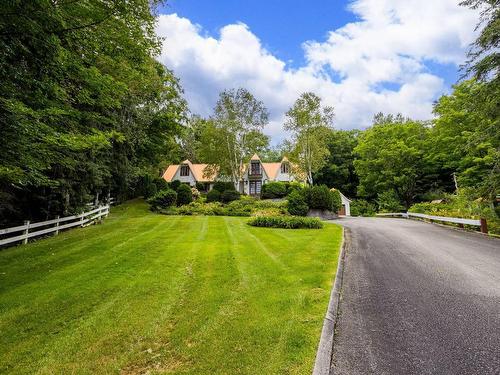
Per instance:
(143,305)
(97,281)
(72,247)
(186,295)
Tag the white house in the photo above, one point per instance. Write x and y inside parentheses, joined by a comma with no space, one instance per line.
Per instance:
(255,174)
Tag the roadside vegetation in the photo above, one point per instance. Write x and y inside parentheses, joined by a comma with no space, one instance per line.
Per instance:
(145,292)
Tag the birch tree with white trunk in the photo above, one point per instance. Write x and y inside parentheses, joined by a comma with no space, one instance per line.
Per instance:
(309,124)
(239,119)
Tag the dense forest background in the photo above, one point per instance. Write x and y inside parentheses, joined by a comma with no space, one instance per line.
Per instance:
(86,110)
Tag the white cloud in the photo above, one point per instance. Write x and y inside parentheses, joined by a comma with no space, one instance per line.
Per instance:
(391,42)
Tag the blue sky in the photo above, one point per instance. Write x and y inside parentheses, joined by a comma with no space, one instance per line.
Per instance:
(361,56)
(282,29)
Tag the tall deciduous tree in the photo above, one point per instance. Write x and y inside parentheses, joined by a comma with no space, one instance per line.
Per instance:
(484,55)
(84,106)
(465,140)
(339,170)
(390,157)
(310,124)
(238,121)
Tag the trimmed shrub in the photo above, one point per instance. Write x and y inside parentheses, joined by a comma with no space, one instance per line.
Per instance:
(161,184)
(229,196)
(163,199)
(174,185)
(213,196)
(360,207)
(222,186)
(273,190)
(293,186)
(297,204)
(149,190)
(184,195)
(320,197)
(336,201)
(200,186)
(286,222)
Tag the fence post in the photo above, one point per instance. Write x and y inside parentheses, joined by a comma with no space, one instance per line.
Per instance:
(57,226)
(27,223)
(81,221)
(484,225)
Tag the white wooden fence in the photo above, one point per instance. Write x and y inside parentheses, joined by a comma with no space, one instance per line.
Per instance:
(455,220)
(54,225)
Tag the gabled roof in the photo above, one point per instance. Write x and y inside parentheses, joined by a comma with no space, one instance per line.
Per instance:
(271,169)
(255,157)
(170,172)
(196,169)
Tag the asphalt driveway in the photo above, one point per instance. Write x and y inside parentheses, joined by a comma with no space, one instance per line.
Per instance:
(418,299)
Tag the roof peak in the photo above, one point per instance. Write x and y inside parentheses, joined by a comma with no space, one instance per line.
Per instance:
(255,157)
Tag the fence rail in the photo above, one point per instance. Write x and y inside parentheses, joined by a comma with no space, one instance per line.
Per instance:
(80,220)
(455,220)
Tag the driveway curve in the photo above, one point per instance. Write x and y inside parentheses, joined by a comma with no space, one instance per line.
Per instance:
(417,298)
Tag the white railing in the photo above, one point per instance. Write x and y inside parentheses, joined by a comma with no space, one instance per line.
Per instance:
(455,220)
(80,220)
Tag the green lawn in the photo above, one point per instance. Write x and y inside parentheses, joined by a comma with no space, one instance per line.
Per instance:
(166,294)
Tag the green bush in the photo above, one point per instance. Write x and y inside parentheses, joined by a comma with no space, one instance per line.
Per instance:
(222,186)
(200,186)
(199,208)
(360,207)
(229,196)
(286,222)
(388,201)
(297,204)
(320,197)
(293,186)
(161,184)
(184,195)
(273,190)
(163,199)
(174,185)
(238,208)
(336,201)
(149,190)
(213,196)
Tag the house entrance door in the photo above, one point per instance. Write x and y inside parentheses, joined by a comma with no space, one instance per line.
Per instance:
(255,187)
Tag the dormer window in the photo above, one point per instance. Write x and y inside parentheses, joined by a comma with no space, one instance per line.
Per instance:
(184,170)
(285,168)
(255,168)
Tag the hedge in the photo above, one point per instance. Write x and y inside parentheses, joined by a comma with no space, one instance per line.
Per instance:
(273,190)
(286,222)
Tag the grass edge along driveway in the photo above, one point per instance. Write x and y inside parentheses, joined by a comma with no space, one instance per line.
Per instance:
(166,294)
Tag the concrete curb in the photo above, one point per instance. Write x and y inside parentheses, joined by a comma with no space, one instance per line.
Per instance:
(324,354)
